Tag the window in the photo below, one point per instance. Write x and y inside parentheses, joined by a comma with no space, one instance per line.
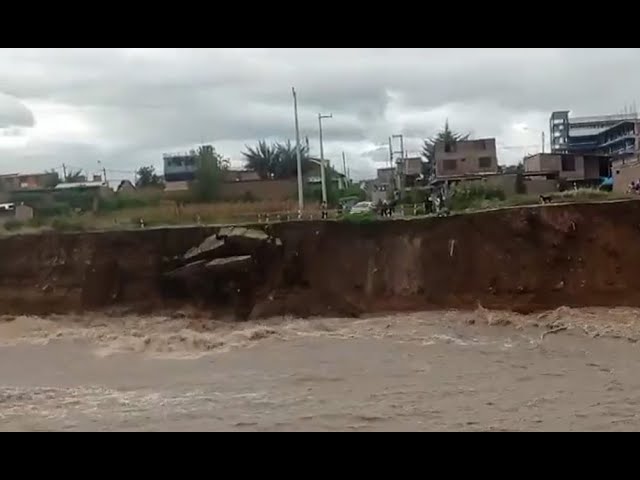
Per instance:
(568,163)
(484,162)
(450,147)
(450,165)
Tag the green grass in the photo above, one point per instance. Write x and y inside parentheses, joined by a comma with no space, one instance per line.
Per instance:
(12,225)
(575,196)
(166,214)
(360,218)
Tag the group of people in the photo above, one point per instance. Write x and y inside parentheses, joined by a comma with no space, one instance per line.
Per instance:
(386,208)
(435,204)
(634,187)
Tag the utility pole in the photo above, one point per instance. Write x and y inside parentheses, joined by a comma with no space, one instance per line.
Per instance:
(344,168)
(390,153)
(543,141)
(399,185)
(401,151)
(322,163)
(298,157)
(64,172)
(104,172)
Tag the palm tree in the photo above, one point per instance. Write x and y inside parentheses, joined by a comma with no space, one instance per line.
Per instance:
(262,159)
(447,136)
(276,160)
(74,176)
(287,165)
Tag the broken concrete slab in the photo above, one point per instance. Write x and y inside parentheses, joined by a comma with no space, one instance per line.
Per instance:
(227,260)
(187,270)
(210,244)
(243,232)
(245,241)
(235,263)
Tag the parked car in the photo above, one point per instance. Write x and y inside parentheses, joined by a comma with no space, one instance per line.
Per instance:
(362,207)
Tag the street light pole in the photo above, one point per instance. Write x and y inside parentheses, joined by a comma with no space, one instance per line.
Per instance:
(322,163)
(298,156)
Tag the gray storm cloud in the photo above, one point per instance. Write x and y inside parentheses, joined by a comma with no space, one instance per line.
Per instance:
(140,102)
(13,113)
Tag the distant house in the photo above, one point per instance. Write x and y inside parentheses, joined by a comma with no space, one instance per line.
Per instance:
(126,186)
(573,168)
(240,176)
(409,170)
(313,175)
(101,188)
(624,172)
(176,186)
(23,213)
(27,181)
(380,189)
(468,157)
(180,167)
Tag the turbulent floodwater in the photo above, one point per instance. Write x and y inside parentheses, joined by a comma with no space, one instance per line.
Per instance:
(563,370)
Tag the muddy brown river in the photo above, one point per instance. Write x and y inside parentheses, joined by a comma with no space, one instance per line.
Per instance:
(563,370)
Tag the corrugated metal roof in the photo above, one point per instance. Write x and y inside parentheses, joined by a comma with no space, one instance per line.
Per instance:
(63,186)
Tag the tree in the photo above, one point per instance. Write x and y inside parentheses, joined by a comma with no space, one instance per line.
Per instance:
(449,138)
(262,159)
(74,176)
(211,166)
(278,160)
(147,177)
(518,168)
(287,165)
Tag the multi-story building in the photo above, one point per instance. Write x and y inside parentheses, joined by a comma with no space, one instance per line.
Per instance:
(180,167)
(567,166)
(465,158)
(381,188)
(409,170)
(617,136)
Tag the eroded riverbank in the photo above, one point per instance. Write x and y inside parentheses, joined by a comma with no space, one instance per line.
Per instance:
(519,259)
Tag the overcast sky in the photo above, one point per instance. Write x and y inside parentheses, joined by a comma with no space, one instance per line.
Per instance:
(125,107)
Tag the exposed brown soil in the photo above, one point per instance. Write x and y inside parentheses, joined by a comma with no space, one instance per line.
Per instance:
(521,259)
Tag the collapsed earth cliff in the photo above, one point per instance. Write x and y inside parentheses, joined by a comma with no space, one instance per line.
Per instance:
(522,259)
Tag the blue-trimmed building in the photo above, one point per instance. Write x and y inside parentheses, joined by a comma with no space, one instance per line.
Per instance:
(617,136)
(180,167)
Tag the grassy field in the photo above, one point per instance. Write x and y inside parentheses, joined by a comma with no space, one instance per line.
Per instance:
(573,196)
(164,213)
(168,213)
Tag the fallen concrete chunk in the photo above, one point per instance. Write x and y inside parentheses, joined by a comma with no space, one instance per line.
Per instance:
(255,234)
(245,241)
(242,232)
(220,265)
(211,243)
(187,270)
